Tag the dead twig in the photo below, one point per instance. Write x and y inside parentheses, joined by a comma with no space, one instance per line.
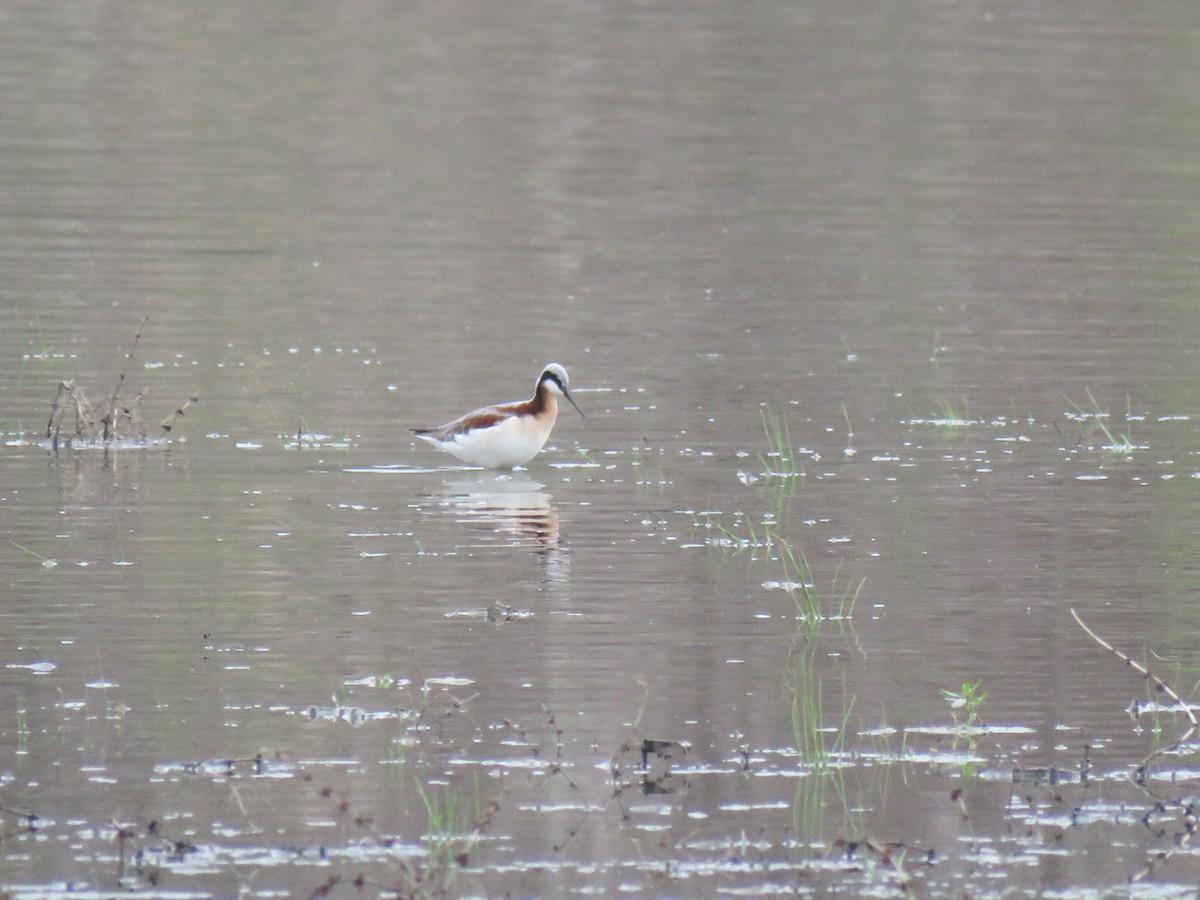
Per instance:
(1182,838)
(890,853)
(169,422)
(118,421)
(1159,685)
(112,403)
(56,406)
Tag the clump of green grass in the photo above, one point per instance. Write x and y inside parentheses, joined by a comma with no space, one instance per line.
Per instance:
(798,581)
(737,536)
(818,745)
(950,415)
(1118,444)
(44,352)
(451,831)
(947,416)
(780,459)
(814,743)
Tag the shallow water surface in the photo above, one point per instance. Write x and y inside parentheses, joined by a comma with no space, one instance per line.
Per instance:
(883,324)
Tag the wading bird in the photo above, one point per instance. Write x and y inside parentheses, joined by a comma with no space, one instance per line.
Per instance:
(509,434)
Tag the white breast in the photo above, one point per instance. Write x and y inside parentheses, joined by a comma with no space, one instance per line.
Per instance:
(511,442)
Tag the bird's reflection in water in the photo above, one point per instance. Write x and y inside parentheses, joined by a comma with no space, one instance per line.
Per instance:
(514,506)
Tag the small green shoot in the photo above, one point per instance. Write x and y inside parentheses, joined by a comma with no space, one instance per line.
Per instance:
(818,746)
(967,700)
(396,753)
(951,417)
(780,459)
(729,539)
(947,416)
(798,581)
(808,728)
(450,832)
(1117,444)
(46,561)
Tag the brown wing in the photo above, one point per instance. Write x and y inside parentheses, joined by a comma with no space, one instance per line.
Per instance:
(480,418)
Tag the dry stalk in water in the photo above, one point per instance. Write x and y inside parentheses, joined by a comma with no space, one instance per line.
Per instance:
(1159,685)
(1182,839)
(118,419)
(169,422)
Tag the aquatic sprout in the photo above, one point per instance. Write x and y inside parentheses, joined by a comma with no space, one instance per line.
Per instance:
(798,581)
(730,539)
(815,743)
(47,562)
(968,698)
(44,351)
(808,714)
(947,416)
(780,459)
(751,539)
(450,833)
(1117,444)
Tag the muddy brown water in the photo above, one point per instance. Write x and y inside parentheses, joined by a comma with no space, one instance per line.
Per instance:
(952,247)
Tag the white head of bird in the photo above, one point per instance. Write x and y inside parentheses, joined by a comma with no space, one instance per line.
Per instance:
(507,434)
